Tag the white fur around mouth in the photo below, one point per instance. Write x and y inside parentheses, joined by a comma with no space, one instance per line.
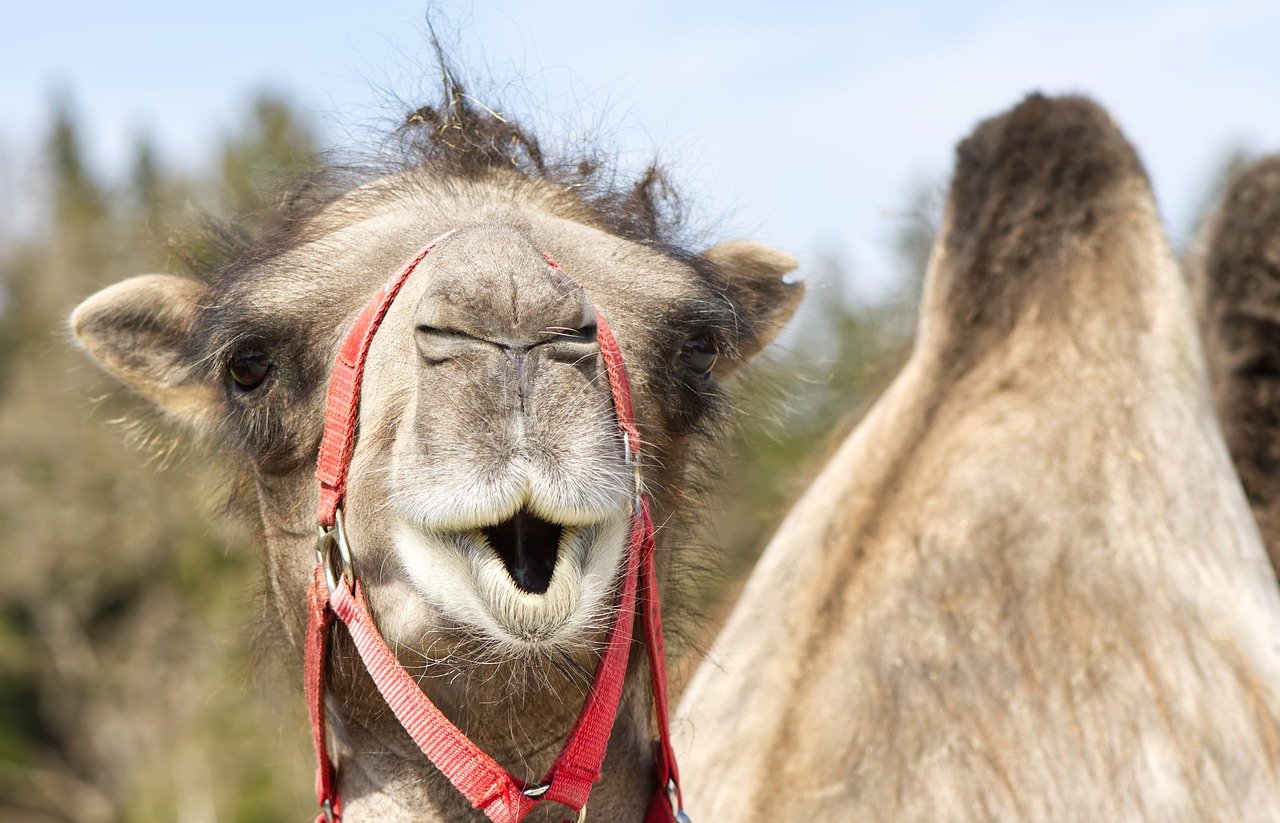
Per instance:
(466,580)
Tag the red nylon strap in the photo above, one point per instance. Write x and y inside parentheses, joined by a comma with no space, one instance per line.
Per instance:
(342,405)
(655,644)
(477,776)
(319,618)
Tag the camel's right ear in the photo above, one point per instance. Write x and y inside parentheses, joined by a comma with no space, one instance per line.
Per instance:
(140,331)
(762,300)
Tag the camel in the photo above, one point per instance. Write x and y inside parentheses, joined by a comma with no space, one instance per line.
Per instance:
(1236,278)
(1028,585)
(489,497)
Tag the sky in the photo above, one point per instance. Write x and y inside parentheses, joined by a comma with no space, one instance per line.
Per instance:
(807,125)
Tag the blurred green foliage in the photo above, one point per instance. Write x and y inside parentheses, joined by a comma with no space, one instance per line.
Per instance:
(128,689)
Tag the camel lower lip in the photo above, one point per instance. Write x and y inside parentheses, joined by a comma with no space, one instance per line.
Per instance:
(528,547)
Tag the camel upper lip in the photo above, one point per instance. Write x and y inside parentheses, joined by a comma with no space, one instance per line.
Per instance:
(528,546)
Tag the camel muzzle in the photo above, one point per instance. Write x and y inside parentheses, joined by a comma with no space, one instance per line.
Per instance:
(528,546)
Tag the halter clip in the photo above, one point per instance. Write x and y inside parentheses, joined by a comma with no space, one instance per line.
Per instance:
(331,546)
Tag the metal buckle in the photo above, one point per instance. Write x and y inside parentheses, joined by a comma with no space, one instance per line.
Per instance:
(331,544)
(539,791)
(629,459)
(326,806)
(673,797)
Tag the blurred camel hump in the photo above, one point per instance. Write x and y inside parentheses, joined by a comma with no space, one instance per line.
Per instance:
(1038,196)
(1236,276)
(1028,585)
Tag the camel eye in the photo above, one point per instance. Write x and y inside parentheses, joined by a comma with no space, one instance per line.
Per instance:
(248,368)
(699,355)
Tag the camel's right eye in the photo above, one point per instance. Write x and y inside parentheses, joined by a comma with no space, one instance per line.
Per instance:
(248,368)
(699,355)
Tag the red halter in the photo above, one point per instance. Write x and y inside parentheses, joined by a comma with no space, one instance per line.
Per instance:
(336,590)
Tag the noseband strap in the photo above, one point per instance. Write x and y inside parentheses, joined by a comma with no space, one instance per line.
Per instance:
(336,590)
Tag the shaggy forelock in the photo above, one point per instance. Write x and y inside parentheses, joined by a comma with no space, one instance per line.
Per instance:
(454,140)
(442,150)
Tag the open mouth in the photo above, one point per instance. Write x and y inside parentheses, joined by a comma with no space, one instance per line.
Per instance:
(528,546)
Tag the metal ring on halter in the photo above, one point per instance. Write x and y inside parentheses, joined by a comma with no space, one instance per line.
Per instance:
(327,540)
(327,808)
(629,459)
(539,791)
(673,797)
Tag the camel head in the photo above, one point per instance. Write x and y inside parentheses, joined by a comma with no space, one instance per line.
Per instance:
(488,504)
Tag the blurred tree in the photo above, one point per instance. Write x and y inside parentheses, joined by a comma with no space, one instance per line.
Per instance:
(276,148)
(146,183)
(124,654)
(78,201)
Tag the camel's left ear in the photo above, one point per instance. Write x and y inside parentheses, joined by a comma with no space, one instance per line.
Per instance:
(762,301)
(140,331)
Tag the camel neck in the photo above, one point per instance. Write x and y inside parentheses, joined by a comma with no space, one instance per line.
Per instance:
(383,776)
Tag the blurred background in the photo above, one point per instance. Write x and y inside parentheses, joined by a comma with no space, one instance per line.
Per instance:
(129,689)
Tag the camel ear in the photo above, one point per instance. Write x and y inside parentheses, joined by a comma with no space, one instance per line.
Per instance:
(762,301)
(140,332)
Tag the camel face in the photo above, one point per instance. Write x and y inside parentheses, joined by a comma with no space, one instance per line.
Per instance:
(489,488)
(490,482)
(507,506)
(489,496)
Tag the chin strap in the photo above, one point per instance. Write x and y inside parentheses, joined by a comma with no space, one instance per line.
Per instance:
(335,590)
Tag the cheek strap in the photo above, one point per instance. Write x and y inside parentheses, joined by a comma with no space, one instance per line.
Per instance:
(335,590)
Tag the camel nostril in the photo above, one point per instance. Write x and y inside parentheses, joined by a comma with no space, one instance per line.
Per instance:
(528,546)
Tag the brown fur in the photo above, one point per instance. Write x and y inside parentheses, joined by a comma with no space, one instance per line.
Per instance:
(1028,585)
(1238,288)
(1027,185)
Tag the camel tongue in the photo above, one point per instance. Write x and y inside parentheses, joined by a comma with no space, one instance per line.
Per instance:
(528,546)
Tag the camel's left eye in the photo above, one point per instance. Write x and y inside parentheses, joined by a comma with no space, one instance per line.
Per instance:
(248,368)
(699,355)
